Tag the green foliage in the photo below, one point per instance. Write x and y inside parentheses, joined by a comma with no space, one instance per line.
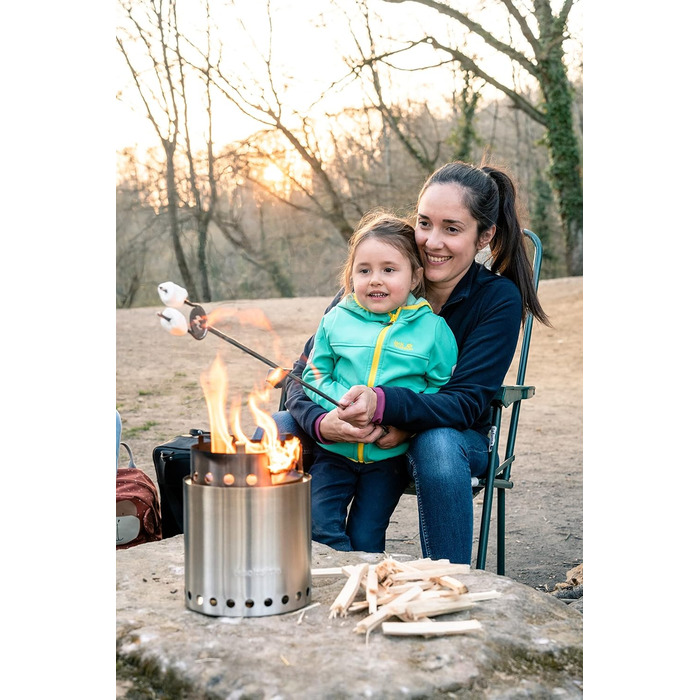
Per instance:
(540,215)
(137,429)
(465,138)
(146,681)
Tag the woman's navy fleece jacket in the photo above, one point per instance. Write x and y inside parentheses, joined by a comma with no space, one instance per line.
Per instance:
(484,313)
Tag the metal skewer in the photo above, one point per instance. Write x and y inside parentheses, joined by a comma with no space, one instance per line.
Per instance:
(199,328)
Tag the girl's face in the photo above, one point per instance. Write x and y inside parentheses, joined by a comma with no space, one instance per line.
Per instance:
(446,235)
(382,277)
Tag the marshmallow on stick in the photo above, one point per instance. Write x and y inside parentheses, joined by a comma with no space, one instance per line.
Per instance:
(172,295)
(173,321)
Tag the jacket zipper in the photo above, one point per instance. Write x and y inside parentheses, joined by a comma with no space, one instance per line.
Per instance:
(375,366)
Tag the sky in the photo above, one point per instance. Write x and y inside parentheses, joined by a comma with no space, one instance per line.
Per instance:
(641,154)
(309,42)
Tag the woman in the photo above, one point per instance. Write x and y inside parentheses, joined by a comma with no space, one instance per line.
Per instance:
(461,210)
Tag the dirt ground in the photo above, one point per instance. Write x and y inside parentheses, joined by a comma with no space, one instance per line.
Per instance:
(159,396)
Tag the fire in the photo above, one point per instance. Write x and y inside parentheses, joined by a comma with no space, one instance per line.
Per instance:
(254,318)
(275,376)
(283,456)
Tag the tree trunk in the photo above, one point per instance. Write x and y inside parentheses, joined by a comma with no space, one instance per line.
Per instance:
(202,228)
(187,280)
(565,167)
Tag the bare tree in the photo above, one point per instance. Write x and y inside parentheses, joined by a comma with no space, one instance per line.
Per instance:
(260,101)
(544,33)
(154,23)
(192,189)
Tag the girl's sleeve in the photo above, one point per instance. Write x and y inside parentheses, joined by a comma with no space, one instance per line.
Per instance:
(305,411)
(320,367)
(443,357)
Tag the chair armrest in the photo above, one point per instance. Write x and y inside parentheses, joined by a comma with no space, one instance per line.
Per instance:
(507,395)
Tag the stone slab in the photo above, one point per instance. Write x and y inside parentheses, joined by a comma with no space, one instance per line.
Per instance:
(530,644)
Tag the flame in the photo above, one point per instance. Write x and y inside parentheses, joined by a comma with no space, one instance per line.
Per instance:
(275,376)
(283,456)
(254,318)
(215,385)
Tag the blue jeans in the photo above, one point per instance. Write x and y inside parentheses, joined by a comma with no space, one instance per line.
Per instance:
(443,462)
(370,491)
(351,502)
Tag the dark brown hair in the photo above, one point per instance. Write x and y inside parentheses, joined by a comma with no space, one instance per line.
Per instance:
(490,197)
(386,227)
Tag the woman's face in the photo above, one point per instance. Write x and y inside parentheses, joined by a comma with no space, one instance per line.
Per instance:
(446,234)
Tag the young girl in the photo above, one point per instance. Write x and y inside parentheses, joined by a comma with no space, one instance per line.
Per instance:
(381,332)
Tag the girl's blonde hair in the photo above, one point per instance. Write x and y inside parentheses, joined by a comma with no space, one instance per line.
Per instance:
(386,227)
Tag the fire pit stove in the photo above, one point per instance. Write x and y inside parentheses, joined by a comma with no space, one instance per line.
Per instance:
(247,535)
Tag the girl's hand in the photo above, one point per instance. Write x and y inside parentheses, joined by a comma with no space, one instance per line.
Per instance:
(392,438)
(358,406)
(333,429)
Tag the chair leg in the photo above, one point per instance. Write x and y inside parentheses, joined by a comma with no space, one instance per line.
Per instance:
(484,530)
(501,533)
(488,498)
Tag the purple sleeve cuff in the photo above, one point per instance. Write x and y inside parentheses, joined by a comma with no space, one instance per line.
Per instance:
(317,430)
(381,402)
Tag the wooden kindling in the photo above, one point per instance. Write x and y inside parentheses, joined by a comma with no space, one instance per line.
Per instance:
(413,591)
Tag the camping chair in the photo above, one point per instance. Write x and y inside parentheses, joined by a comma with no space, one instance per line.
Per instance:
(498,473)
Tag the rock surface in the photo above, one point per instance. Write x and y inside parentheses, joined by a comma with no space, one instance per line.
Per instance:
(530,643)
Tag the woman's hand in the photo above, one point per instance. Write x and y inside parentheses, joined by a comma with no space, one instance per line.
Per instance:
(358,406)
(333,429)
(392,438)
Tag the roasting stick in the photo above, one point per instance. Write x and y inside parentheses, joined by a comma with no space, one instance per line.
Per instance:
(199,328)
(175,297)
(272,364)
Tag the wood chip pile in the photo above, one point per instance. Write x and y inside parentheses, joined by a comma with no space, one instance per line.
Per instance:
(413,591)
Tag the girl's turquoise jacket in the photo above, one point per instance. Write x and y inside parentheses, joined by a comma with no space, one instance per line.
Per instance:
(409,347)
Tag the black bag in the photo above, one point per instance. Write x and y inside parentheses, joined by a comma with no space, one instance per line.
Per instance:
(172,463)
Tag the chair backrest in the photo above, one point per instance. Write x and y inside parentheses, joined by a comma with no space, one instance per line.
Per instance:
(497,477)
(527,329)
(524,350)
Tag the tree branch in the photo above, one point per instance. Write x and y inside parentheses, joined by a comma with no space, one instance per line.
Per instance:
(468,64)
(475,27)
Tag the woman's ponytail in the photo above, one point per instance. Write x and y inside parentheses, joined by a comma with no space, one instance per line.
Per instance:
(508,246)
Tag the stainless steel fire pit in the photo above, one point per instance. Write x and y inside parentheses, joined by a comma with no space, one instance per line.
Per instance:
(247,536)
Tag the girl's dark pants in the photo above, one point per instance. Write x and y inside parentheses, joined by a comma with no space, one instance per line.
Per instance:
(371,491)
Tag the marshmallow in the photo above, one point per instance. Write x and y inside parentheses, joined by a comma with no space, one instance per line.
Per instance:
(172,295)
(173,321)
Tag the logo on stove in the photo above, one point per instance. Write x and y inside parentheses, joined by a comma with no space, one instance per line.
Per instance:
(259,572)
